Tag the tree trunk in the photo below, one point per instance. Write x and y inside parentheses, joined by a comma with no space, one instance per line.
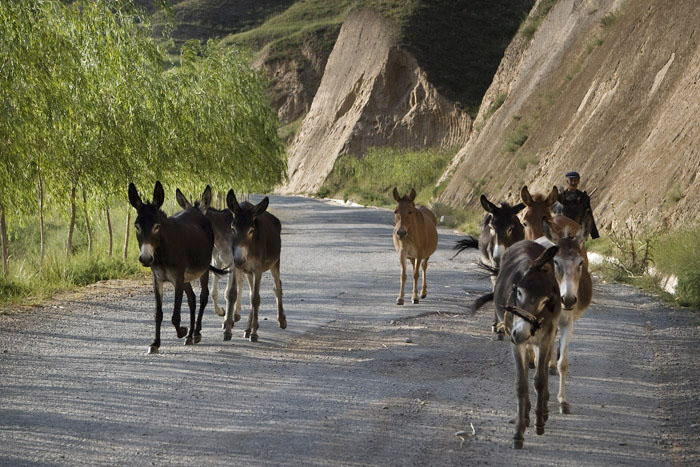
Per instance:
(71,226)
(126,231)
(87,222)
(109,230)
(3,235)
(42,233)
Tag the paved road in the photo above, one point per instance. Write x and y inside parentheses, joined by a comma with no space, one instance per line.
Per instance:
(353,380)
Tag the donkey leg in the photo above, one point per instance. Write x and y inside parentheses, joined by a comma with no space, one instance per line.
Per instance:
(203,300)
(424,289)
(281,318)
(251,285)
(192,303)
(521,390)
(542,386)
(215,295)
(239,283)
(256,307)
(158,314)
(181,331)
(402,262)
(232,296)
(567,332)
(416,273)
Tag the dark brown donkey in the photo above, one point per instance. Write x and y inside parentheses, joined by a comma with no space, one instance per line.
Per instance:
(256,248)
(527,300)
(178,250)
(415,238)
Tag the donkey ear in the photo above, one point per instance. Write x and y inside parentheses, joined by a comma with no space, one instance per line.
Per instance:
(585,229)
(206,199)
(182,200)
(525,196)
(412,195)
(549,231)
(158,195)
(518,207)
(486,204)
(262,206)
(553,196)
(396,195)
(545,257)
(134,197)
(232,202)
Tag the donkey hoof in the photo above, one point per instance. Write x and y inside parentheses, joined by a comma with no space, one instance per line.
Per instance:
(152,349)
(181,332)
(518,443)
(246,334)
(253,338)
(197,338)
(228,336)
(220,311)
(189,341)
(553,370)
(399,301)
(499,336)
(414,301)
(531,365)
(540,430)
(236,318)
(423,295)
(283,323)
(564,408)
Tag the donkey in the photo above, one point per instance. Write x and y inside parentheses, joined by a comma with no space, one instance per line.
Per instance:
(178,250)
(415,237)
(576,289)
(222,255)
(501,229)
(527,300)
(256,246)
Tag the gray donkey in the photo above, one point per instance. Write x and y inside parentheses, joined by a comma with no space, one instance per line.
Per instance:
(527,299)
(222,256)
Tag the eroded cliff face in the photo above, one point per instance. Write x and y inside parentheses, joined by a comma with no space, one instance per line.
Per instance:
(373,93)
(608,88)
(295,79)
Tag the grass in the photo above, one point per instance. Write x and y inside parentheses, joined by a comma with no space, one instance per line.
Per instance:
(516,138)
(27,284)
(371,178)
(288,132)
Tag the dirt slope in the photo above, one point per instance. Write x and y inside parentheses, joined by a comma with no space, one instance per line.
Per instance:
(608,88)
(373,93)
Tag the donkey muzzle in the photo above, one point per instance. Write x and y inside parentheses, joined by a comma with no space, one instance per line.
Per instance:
(401,233)
(146,255)
(568,301)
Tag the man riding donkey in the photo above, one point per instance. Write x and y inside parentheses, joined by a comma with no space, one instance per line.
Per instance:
(576,204)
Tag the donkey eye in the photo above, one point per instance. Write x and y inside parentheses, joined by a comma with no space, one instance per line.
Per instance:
(156,228)
(396,211)
(138,228)
(251,231)
(510,230)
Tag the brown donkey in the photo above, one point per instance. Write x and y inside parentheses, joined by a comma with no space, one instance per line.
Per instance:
(415,238)
(256,247)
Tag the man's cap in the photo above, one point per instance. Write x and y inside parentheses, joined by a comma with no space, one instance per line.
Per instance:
(573,174)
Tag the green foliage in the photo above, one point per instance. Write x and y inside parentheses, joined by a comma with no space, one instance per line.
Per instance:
(372,178)
(495,105)
(464,220)
(88,106)
(679,253)
(516,138)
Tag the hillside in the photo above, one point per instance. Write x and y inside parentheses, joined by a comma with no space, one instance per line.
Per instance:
(603,88)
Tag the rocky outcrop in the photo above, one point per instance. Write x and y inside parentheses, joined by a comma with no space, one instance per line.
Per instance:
(608,88)
(296,78)
(373,93)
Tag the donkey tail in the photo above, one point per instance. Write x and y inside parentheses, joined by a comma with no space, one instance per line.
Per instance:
(465,244)
(481,301)
(491,270)
(219,272)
